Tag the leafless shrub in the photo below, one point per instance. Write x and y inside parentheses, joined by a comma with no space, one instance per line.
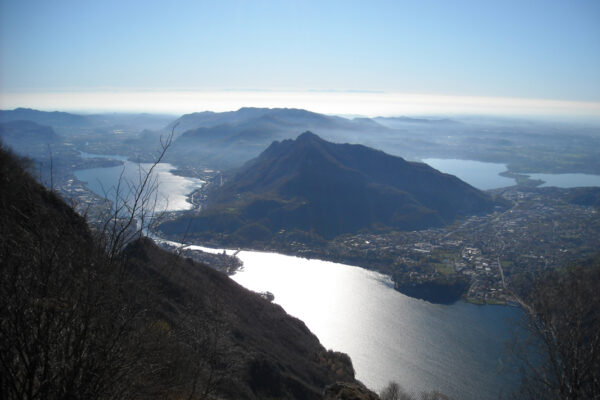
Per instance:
(393,391)
(134,205)
(76,319)
(560,354)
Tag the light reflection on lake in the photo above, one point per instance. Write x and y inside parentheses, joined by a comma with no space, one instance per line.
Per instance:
(172,190)
(457,349)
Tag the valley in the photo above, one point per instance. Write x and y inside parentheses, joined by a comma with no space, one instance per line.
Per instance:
(480,255)
(538,228)
(544,229)
(298,200)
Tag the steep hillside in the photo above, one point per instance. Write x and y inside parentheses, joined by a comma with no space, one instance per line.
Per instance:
(329,189)
(78,322)
(264,352)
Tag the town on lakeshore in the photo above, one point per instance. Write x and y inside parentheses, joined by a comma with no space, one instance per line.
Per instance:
(300,200)
(439,245)
(544,228)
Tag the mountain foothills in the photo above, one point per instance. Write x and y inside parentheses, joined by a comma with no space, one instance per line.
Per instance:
(54,118)
(229,139)
(27,131)
(27,137)
(80,322)
(365,214)
(83,318)
(63,121)
(326,189)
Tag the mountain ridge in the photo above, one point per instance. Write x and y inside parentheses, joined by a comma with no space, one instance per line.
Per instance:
(144,324)
(208,119)
(227,140)
(25,131)
(330,189)
(50,118)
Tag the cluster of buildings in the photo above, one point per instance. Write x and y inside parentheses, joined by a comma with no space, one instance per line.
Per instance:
(542,229)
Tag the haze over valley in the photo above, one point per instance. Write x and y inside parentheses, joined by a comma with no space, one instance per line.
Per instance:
(303,195)
(300,200)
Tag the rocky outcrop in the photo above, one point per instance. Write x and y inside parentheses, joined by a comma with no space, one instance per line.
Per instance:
(348,391)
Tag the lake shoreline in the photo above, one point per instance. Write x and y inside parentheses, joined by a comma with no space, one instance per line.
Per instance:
(421,292)
(355,310)
(421,332)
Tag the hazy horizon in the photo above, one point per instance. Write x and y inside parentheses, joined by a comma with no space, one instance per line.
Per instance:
(510,58)
(355,104)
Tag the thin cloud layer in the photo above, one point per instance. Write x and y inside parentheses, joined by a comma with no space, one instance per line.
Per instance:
(342,103)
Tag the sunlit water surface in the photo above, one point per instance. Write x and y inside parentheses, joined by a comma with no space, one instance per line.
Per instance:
(171,190)
(457,349)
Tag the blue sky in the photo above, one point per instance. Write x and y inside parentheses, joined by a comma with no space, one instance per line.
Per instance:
(522,49)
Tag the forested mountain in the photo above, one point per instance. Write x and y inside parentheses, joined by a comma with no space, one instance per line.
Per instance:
(80,321)
(329,189)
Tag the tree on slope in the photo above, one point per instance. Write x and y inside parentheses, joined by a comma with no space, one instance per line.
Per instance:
(561,354)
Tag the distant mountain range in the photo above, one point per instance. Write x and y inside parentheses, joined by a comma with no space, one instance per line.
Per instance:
(59,119)
(312,185)
(284,117)
(227,140)
(224,140)
(230,138)
(54,119)
(398,122)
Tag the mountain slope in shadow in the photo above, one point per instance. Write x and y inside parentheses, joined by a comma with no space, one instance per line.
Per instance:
(78,322)
(329,189)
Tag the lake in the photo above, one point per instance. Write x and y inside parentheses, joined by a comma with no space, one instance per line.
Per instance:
(485,175)
(171,190)
(83,154)
(482,175)
(457,349)
(567,180)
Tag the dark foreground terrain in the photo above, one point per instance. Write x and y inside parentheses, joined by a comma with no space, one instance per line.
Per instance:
(81,318)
